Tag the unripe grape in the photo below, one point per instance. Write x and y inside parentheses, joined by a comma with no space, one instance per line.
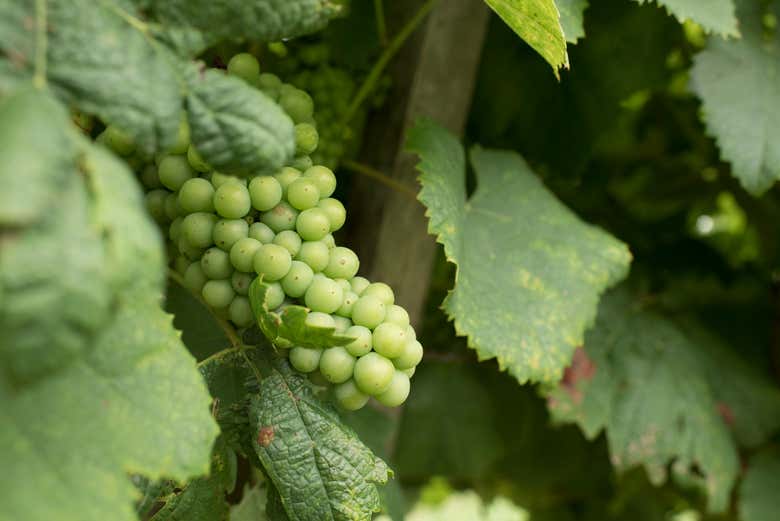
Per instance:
(409,372)
(347,304)
(397,391)
(240,312)
(298,279)
(329,241)
(261,232)
(229,231)
(196,195)
(373,373)
(319,319)
(180,264)
(297,104)
(182,138)
(336,212)
(336,364)
(286,175)
(397,315)
(269,84)
(218,179)
(244,66)
(389,340)
(314,253)
(344,283)
(381,291)
(172,208)
(198,229)
(305,359)
(155,204)
(359,284)
(241,281)
(216,264)
(411,355)
(411,333)
(242,254)
(362,343)
(188,250)
(218,293)
(349,397)
(342,324)
(306,138)
(343,263)
(149,177)
(289,240)
(272,262)
(368,311)
(324,295)
(174,171)
(312,224)
(119,141)
(281,217)
(324,179)
(194,278)
(301,163)
(303,194)
(274,295)
(174,230)
(265,192)
(231,200)
(196,161)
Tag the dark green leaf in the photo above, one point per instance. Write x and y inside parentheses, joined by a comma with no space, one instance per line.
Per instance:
(200,331)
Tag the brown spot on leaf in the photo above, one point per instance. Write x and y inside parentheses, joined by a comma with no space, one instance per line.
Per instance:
(581,368)
(265,436)
(726,413)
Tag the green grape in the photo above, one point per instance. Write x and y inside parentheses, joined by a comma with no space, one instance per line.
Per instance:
(397,391)
(312,224)
(359,284)
(265,192)
(240,312)
(172,208)
(410,333)
(245,66)
(197,229)
(306,138)
(149,177)
(319,319)
(218,293)
(346,306)
(397,315)
(297,104)
(329,241)
(362,343)
(174,171)
(281,217)
(272,262)
(241,282)
(285,176)
(274,296)
(269,84)
(316,378)
(373,373)
(174,230)
(218,179)
(228,231)
(298,279)
(409,372)
(289,240)
(381,291)
(314,253)
(389,340)
(155,204)
(196,161)
(324,179)
(196,195)
(188,250)
(342,324)
(336,364)
(343,263)
(216,265)
(301,163)
(411,355)
(194,278)
(261,232)
(368,311)
(231,200)
(305,359)
(182,139)
(349,397)
(344,283)
(180,264)
(118,141)
(242,254)
(337,214)
(303,194)
(324,295)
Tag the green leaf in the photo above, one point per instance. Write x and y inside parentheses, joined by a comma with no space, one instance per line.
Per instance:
(200,330)
(758,492)
(641,382)
(745,126)
(265,20)
(98,57)
(529,271)
(572,14)
(321,470)
(235,127)
(716,16)
(536,22)
(252,505)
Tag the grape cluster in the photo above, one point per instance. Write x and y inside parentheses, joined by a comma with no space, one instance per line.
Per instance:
(224,231)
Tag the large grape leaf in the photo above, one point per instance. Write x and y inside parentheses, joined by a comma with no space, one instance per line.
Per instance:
(529,272)
(744,125)
(715,16)
(98,57)
(641,380)
(758,491)
(536,22)
(572,14)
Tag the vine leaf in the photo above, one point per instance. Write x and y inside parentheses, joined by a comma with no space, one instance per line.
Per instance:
(745,126)
(715,16)
(529,271)
(319,467)
(252,505)
(536,22)
(572,14)
(642,382)
(758,492)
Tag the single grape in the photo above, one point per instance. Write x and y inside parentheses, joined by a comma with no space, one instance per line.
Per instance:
(342,324)
(119,141)
(269,84)
(216,265)
(349,397)
(174,171)
(368,311)
(196,195)
(397,315)
(381,291)
(301,163)
(324,178)
(305,359)
(373,373)
(303,194)
(281,217)
(319,319)
(347,304)
(196,161)
(188,250)
(314,253)
(274,296)
(272,262)
(241,312)
(242,254)
(312,224)
(289,240)
(218,293)
(182,139)
(316,378)
(411,355)
(359,284)
(298,279)
(344,283)
(231,200)
(343,263)
(194,278)
(241,281)
(337,214)
(410,332)
(261,232)
(218,179)
(397,391)
(174,230)
(149,177)
(155,204)
(229,231)
(244,66)
(180,264)
(172,208)
(324,295)
(306,138)
(198,228)
(362,343)
(409,372)
(286,175)
(389,340)
(336,364)
(329,241)
(265,192)
(297,104)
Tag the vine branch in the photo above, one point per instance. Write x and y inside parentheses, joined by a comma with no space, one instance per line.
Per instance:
(379,176)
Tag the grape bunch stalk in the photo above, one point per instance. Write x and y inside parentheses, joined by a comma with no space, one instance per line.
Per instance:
(224,231)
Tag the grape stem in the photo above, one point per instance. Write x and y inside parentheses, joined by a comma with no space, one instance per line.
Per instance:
(381,27)
(377,175)
(41,44)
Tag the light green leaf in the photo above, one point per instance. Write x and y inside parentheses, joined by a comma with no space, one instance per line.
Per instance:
(572,14)
(745,126)
(536,22)
(321,470)
(529,271)
(716,16)
(758,492)
(252,505)
(641,382)
(235,127)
